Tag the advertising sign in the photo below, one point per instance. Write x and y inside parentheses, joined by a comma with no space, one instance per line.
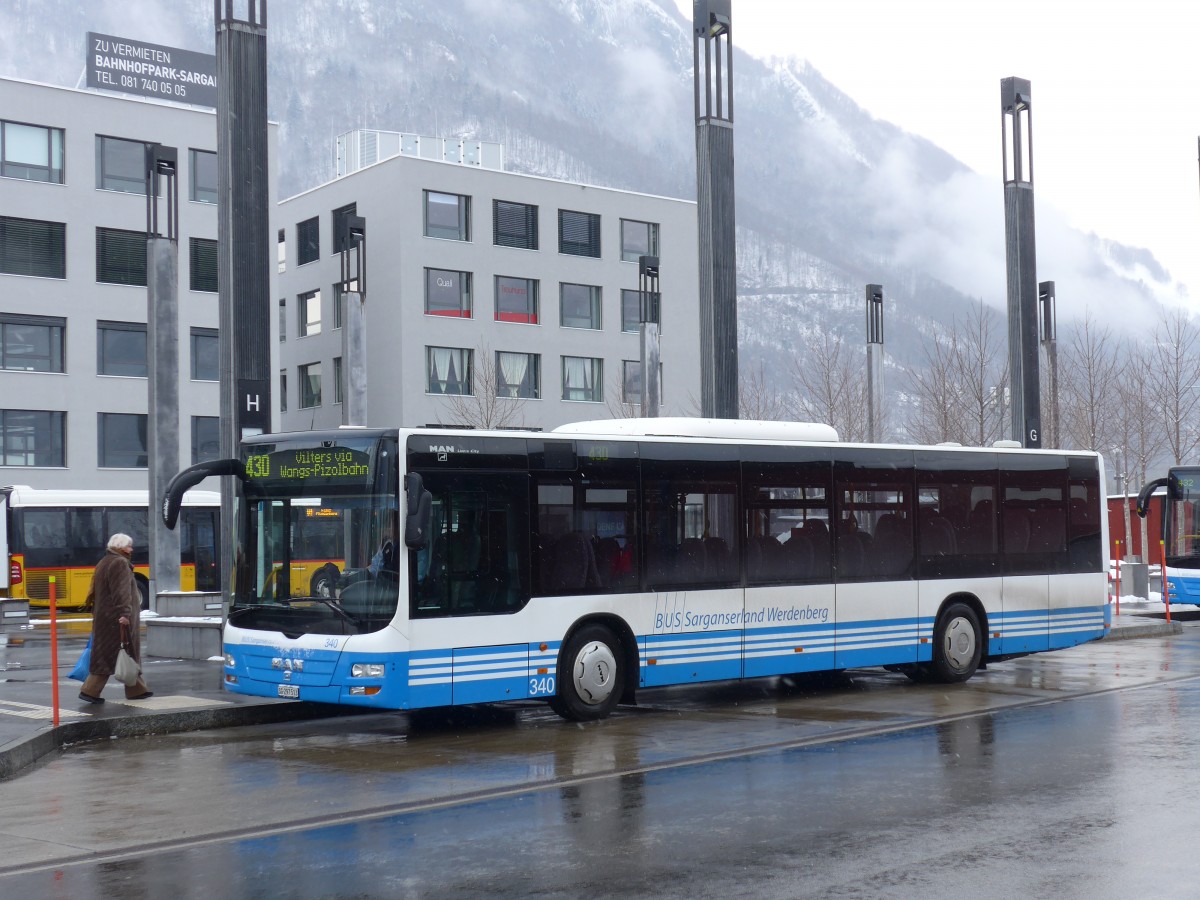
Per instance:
(151,70)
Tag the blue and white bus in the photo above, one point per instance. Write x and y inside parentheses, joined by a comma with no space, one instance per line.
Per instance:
(580,565)
(1180,530)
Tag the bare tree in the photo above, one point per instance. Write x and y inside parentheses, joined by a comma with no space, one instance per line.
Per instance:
(759,397)
(938,393)
(831,386)
(1174,382)
(983,373)
(1088,376)
(492,403)
(960,392)
(618,405)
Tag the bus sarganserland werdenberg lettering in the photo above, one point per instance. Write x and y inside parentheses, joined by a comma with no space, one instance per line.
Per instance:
(579,565)
(1180,529)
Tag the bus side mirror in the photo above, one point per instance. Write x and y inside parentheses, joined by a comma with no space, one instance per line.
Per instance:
(1143,498)
(190,477)
(419,503)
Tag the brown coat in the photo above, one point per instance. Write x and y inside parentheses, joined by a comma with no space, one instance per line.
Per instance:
(113,594)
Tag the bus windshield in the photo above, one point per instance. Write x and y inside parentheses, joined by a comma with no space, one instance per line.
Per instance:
(317,538)
(1182,535)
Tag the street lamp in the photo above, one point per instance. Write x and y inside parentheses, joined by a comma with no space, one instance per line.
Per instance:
(649,297)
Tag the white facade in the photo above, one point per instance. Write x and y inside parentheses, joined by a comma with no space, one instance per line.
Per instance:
(514,306)
(97,375)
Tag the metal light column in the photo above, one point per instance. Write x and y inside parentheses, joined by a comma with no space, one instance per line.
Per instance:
(162,357)
(1016,123)
(1049,338)
(353,242)
(244,246)
(650,299)
(874,361)
(711,29)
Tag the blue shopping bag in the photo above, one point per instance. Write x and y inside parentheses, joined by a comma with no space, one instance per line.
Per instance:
(80,672)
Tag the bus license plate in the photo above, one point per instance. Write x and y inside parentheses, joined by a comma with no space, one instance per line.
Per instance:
(291,691)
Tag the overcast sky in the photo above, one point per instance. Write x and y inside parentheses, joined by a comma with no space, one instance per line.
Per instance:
(1116,95)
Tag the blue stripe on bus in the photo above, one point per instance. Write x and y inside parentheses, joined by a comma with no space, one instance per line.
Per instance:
(488,674)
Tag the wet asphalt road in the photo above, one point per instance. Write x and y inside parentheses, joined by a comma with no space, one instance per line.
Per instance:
(1070,774)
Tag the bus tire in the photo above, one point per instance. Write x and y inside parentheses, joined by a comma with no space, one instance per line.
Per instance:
(324,581)
(957,645)
(144,590)
(591,675)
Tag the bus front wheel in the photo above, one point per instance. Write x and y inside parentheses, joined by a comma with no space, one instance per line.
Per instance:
(591,677)
(957,645)
(144,591)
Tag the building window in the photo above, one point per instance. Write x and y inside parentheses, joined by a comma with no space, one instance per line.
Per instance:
(516,300)
(447,216)
(308,241)
(120,256)
(310,386)
(122,440)
(514,225)
(517,375)
(447,293)
(31,152)
(32,343)
(448,370)
(282,321)
(339,305)
(283,390)
(120,165)
(583,378)
(638,239)
(32,437)
(336,220)
(310,313)
(281,249)
(203,166)
(631,381)
(206,355)
(203,264)
(206,438)
(337,379)
(579,305)
(578,233)
(32,247)
(631,309)
(121,349)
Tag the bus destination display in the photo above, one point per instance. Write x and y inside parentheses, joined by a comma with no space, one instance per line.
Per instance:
(328,466)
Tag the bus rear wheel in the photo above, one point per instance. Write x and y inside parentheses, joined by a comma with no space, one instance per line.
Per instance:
(591,676)
(957,645)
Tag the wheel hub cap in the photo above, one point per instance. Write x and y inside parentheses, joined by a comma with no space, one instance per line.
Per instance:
(593,672)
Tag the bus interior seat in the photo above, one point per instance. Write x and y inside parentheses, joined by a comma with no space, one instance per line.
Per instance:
(937,534)
(851,558)
(717,559)
(606,551)
(797,554)
(892,546)
(690,561)
(1016,530)
(572,566)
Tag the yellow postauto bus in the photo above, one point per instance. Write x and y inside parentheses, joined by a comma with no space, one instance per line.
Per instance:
(63,533)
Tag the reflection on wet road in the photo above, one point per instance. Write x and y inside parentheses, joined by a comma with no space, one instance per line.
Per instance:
(1042,776)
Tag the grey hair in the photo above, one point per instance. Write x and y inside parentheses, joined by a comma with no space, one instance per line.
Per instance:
(120,541)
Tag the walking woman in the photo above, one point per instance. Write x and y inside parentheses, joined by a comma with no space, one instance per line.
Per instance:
(116,606)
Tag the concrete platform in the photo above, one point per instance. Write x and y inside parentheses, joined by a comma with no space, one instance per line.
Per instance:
(188,693)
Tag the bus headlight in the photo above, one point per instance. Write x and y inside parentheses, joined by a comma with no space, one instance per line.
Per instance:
(229,660)
(367,670)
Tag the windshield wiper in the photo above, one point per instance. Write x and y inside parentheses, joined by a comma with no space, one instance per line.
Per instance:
(337,608)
